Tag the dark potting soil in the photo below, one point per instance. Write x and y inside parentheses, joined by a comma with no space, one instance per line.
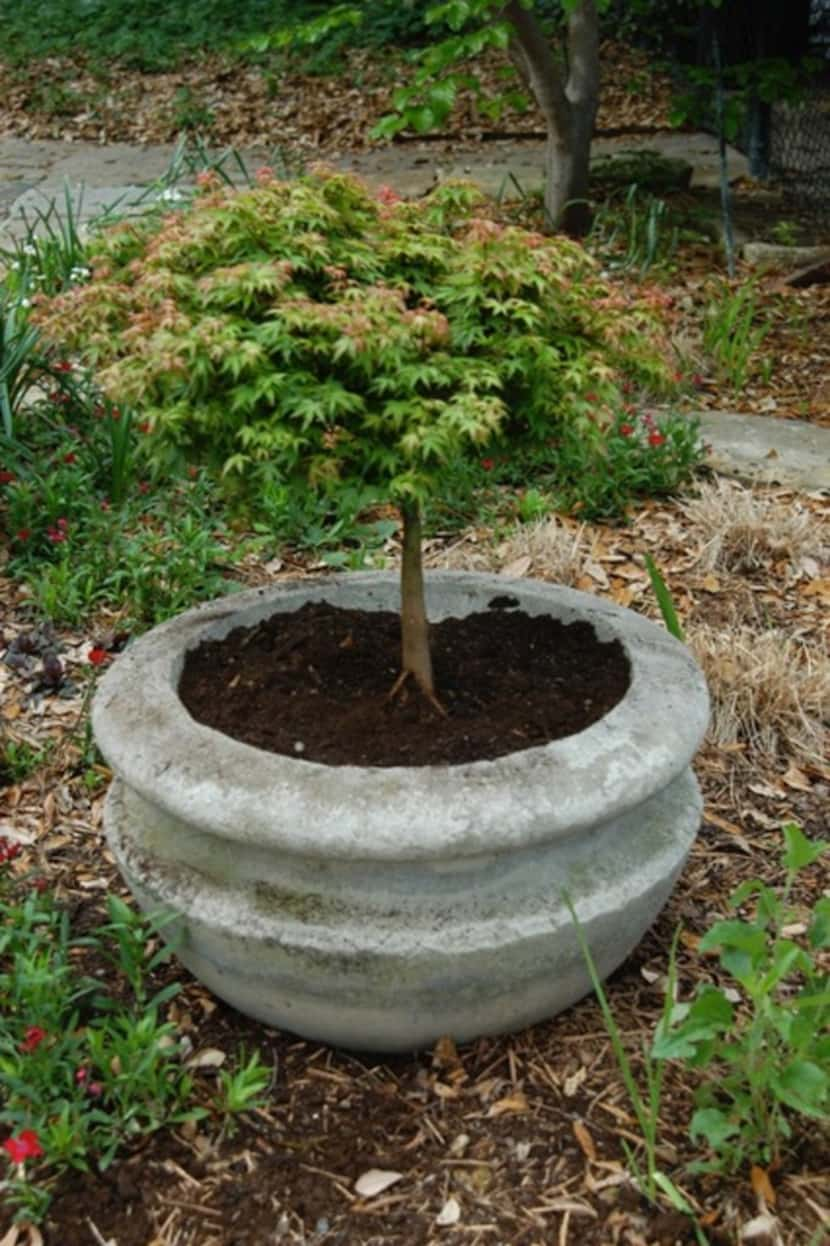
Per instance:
(315,685)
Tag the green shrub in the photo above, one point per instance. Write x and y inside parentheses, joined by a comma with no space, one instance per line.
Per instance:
(313,334)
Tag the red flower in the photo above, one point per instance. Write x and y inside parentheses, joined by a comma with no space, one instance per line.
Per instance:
(98,656)
(192,471)
(70,457)
(6,478)
(26,1146)
(656,439)
(35,1035)
(9,849)
(591,397)
(115,414)
(144,426)
(105,504)
(63,366)
(24,534)
(626,430)
(41,885)
(488,464)
(387,195)
(143,486)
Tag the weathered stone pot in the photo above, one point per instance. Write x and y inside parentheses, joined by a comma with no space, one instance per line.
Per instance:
(380,908)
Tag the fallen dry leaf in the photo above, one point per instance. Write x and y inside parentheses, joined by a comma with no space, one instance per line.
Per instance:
(207,1058)
(375,1180)
(449,1214)
(517,568)
(762,1185)
(512,1103)
(583,1137)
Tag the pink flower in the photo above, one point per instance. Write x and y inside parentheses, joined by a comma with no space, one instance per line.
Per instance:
(34,1036)
(81,1075)
(656,439)
(25,1146)
(264,175)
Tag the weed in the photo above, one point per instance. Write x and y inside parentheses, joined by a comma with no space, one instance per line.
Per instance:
(635,233)
(785,233)
(664,600)
(241,1089)
(768,1059)
(646,1107)
(19,759)
(733,331)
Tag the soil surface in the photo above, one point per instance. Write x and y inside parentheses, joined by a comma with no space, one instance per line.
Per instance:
(316,684)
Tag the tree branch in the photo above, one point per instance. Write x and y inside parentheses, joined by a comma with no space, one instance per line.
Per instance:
(538,65)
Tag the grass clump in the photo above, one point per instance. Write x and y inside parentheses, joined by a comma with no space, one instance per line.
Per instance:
(743,532)
(770,692)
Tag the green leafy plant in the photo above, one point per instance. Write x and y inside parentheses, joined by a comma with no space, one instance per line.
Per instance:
(765,1056)
(664,600)
(733,331)
(634,232)
(22,359)
(19,759)
(312,333)
(79,1074)
(241,1089)
(50,254)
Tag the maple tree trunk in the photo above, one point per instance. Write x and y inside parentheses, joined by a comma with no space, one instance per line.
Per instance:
(416,659)
(568,101)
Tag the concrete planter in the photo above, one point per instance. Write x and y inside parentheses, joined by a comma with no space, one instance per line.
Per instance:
(379,908)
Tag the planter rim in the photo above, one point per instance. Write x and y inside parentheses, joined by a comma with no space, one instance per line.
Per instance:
(238,792)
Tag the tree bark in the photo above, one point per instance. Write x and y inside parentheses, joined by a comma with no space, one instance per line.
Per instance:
(568,102)
(416,659)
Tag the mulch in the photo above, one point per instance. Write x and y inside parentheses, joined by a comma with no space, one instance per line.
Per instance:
(515,1139)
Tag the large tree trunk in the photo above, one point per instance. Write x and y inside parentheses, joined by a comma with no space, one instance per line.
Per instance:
(567,98)
(416,659)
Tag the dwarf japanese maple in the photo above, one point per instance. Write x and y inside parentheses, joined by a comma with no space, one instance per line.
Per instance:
(312,331)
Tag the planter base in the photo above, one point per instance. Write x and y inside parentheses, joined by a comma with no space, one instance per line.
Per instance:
(381,908)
